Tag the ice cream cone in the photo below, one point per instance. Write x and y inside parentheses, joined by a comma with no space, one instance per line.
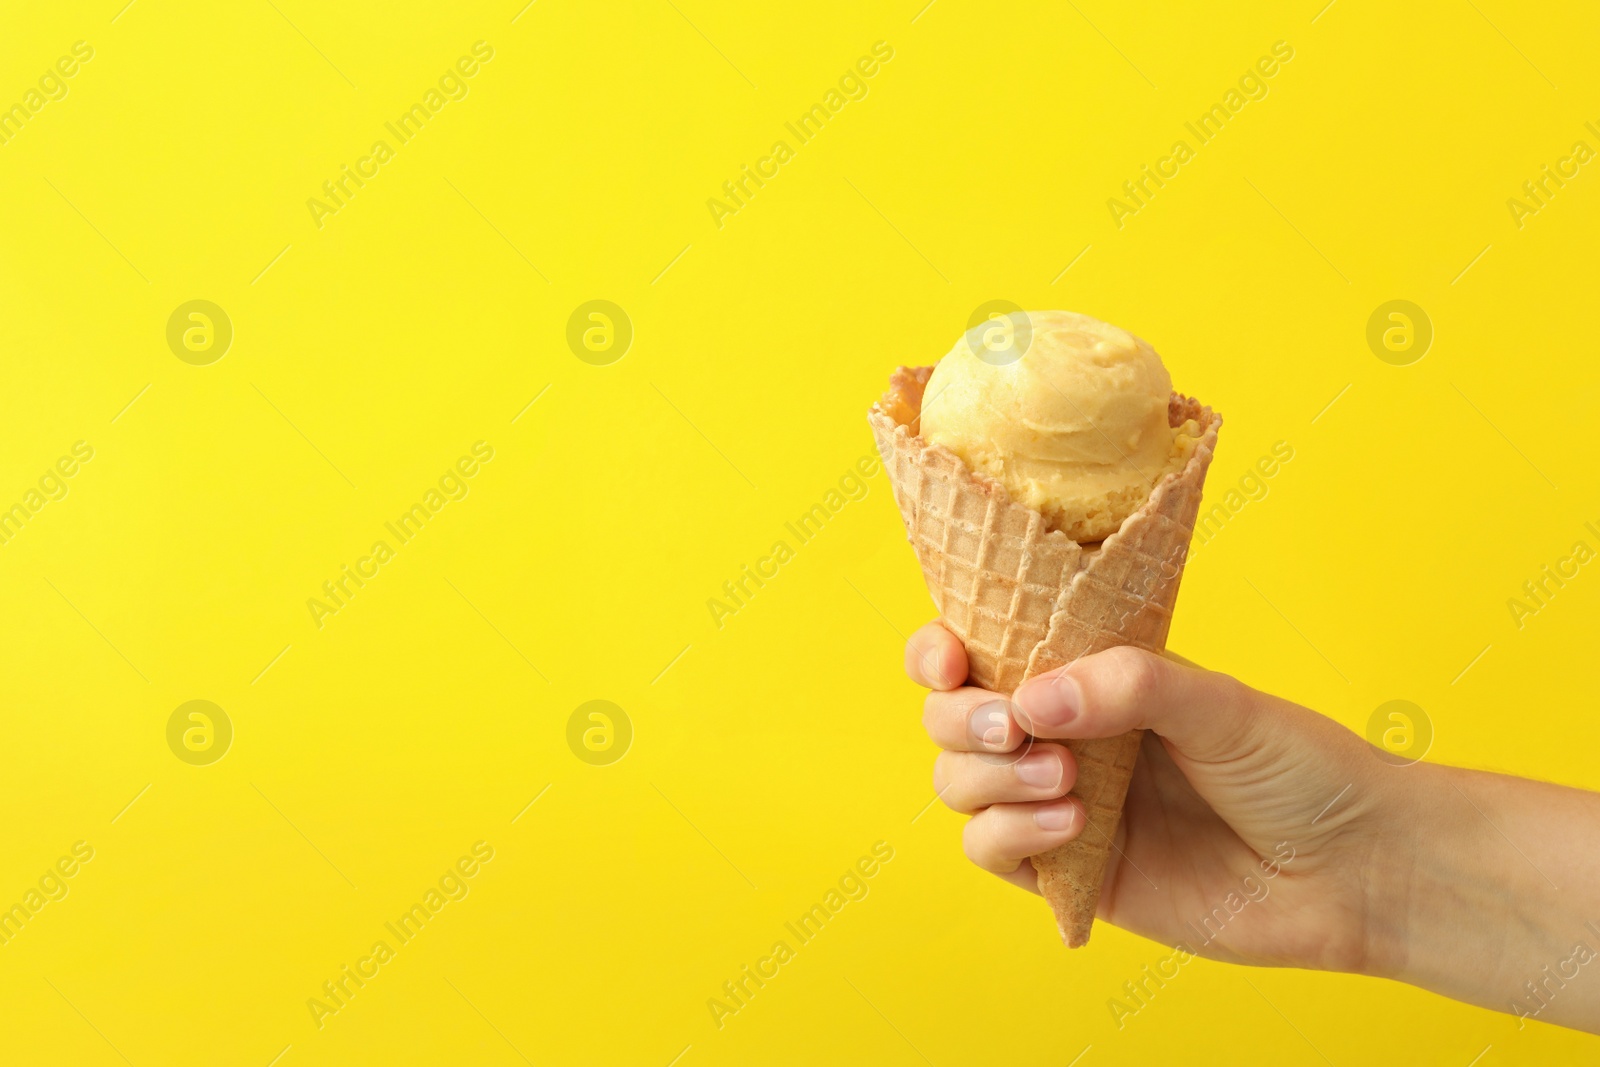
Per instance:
(1025,599)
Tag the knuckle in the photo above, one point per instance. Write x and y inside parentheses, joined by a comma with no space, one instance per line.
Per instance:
(947,784)
(983,848)
(974,844)
(944,716)
(930,714)
(1245,727)
(952,784)
(1134,674)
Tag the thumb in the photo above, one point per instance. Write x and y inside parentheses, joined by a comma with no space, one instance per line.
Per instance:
(1208,716)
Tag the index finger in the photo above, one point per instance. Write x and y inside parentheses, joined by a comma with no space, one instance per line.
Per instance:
(935,659)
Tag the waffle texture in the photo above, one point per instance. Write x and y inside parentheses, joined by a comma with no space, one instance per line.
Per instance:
(1025,599)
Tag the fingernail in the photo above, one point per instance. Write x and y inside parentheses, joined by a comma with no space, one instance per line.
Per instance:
(990,724)
(1055,817)
(1055,702)
(1040,769)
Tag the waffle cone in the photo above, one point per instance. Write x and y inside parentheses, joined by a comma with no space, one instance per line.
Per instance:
(1025,599)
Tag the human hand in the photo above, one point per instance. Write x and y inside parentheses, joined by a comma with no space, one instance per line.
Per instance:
(1252,825)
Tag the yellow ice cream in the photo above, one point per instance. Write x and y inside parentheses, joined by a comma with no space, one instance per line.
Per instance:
(1075,428)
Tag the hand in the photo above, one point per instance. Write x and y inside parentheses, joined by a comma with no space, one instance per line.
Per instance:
(1252,827)
(1257,831)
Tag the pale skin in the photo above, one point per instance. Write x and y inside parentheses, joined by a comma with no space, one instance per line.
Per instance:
(1466,883)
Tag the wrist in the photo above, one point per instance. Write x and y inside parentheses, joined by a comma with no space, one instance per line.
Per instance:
(1482,888)
(1455,899)
(1420,862)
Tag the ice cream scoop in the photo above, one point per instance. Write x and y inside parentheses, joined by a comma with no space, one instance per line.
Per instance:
(1067,413)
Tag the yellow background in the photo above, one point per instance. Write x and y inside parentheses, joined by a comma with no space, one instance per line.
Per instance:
(769,754)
